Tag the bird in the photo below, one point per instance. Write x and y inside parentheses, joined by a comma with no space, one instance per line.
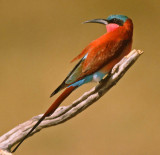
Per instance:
(95,61)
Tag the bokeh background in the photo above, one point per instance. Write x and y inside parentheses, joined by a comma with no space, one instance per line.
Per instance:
(37,41)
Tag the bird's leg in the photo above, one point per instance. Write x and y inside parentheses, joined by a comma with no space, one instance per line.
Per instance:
(106,77)
(115,68)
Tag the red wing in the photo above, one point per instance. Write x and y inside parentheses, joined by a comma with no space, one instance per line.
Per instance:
(83,53)
(101,55)
(98,56)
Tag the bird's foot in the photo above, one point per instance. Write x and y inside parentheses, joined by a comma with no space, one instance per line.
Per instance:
(115,69)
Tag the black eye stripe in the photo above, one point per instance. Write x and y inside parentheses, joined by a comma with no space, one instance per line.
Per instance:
(116,21)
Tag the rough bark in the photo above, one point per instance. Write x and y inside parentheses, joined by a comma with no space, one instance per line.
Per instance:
(65,113)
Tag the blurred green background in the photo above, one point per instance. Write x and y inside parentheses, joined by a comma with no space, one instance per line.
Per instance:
(37,41)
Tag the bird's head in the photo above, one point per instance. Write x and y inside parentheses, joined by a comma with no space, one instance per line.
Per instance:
(112,22)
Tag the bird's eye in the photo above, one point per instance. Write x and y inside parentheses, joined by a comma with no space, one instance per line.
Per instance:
(117,21)
(114,20)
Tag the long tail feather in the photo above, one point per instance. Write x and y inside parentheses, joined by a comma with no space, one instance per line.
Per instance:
(50,110)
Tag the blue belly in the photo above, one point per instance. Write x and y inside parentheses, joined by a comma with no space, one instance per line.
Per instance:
(96,77)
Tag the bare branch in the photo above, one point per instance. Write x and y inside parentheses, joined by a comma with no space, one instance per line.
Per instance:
(65,113)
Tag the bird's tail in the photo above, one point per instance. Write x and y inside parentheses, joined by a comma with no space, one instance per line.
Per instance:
(50,111)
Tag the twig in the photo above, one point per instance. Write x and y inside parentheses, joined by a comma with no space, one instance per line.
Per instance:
(65,113)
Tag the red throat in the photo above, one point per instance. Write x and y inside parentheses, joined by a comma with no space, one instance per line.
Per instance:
(111,27)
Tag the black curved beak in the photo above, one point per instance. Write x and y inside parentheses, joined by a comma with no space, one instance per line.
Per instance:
(100,21)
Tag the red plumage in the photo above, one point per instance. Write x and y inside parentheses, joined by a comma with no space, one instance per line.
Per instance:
(102,54)
(107,50)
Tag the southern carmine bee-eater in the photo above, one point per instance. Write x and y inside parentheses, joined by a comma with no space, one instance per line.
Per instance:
(96,60)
